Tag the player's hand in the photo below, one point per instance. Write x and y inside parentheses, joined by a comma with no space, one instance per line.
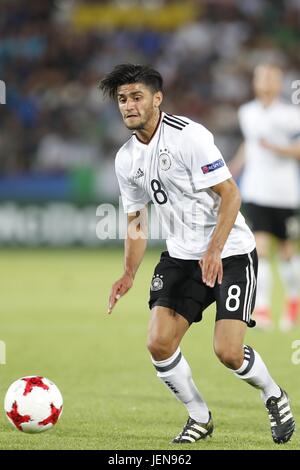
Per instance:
(267,145)
(212,267)
(118,289)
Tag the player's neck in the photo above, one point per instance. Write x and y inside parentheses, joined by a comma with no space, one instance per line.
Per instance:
(267,101)
(146,134)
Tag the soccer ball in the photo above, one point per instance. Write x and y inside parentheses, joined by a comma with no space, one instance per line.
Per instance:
(33,404)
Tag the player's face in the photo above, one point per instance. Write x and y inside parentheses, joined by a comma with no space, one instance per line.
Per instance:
(137,104)
(267,82)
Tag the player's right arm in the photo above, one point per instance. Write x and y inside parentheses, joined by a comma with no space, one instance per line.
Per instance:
(236,164)
(135,246)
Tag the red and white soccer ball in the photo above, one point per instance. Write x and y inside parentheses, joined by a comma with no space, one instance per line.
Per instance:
(33,404)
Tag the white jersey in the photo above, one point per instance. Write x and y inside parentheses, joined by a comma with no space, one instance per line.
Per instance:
(270,179)
(175,171)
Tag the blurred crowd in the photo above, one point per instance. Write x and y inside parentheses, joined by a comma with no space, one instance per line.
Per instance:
(56,119)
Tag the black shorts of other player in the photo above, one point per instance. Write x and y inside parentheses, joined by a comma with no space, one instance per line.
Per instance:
(177,284)
(273,220)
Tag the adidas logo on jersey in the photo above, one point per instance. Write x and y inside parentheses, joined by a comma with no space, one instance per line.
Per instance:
(138,174)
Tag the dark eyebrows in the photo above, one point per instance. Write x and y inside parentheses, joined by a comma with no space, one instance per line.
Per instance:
(132,93)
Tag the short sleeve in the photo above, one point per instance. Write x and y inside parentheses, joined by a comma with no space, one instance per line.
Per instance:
(204,162)
(133,197)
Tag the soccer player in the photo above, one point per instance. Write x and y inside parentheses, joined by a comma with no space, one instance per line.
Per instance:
(270,187)
(173,162)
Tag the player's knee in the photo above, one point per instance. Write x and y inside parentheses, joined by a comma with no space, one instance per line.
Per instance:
(286,251)
(231,357)
(160,348)
(262,246)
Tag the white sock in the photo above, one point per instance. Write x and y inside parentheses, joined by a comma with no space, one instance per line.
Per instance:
(290,275)
(264,284)
(177,376)
(254,371)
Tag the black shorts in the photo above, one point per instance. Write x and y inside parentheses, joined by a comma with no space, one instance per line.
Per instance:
(272,220)
(177,284)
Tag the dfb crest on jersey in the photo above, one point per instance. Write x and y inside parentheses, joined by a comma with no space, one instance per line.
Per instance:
(164,158)
(157,282)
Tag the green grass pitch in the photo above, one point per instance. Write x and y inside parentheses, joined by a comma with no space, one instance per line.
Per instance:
(54,323)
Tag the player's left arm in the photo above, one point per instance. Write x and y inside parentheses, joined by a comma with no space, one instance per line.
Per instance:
(211,262)
(292,150)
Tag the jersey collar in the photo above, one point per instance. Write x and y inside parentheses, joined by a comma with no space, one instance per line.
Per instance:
(154,133)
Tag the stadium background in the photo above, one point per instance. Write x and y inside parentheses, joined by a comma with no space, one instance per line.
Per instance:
(58,138)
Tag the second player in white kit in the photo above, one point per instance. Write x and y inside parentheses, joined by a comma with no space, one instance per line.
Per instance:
(270,188)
